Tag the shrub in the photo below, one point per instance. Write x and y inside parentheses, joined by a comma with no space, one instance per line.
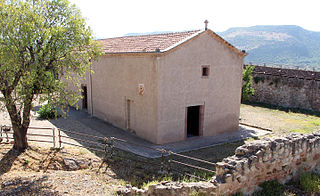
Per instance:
(47,112)
(270,188)
(310,182)
(197,193)
(247,78)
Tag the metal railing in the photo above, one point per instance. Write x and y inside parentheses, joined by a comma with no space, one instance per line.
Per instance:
(9,135)
(106,145)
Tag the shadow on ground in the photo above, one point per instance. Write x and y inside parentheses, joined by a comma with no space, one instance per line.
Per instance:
(81,122)
(7,160)
(138,170)
(137,162)
(26,186)
(284,109)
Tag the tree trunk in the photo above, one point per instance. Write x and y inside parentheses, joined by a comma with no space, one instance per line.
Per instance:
(20,138)
(19,125)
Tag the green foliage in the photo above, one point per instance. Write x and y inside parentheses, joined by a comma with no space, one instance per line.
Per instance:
(197,193)
(270,188)
(310,182)
(47,112)
(247,89)
(146,185)
(26,161)
(44,45)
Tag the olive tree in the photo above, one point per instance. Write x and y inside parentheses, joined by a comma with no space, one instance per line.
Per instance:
(41,41)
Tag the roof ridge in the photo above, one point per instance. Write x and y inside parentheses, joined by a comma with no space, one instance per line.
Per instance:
(146,35)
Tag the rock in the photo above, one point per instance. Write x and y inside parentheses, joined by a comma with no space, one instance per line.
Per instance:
(83,164)
(71,164)
(240,151)
(9,183)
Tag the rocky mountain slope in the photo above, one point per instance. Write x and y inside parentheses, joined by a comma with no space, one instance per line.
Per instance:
(286,45)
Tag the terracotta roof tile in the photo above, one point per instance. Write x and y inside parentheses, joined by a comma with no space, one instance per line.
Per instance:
(144,43)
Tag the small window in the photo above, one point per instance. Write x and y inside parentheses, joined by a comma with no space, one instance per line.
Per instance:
(205,71)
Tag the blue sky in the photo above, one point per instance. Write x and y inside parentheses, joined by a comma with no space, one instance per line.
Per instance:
(111,18)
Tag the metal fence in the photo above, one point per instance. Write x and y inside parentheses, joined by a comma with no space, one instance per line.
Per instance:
(6,133)
(58,138)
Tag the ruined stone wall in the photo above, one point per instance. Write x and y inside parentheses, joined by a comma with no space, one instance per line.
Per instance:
(287,88)
(262,160)
(282,159)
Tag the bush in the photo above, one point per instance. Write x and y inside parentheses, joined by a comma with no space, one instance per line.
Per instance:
(310,182)
(270,188)
(247,89)
(47,112)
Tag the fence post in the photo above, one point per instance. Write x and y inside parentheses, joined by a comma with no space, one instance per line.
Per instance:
(111,147)
(162,160)
(53,137)
(105,147)
(169,161)
(1,132)
(59,134)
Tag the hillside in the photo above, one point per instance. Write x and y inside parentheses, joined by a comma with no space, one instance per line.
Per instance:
(284,45)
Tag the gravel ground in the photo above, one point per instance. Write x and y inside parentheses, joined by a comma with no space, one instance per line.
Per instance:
(43,171)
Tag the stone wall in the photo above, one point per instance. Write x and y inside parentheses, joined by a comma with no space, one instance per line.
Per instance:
(287,87)
(171,188)
(262,160)
(282,159)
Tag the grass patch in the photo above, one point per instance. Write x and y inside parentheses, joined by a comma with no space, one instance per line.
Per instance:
(316,122)
(283,109)
(251,139)
(281,122)
(196,193)
(83,151)
(166,178)
(310,182)
(270,188)
(146,185)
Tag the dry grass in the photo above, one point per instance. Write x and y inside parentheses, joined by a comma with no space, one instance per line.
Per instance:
(41,171)
(281,122)
(139,171)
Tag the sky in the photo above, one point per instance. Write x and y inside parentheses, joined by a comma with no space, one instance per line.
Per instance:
(114,18)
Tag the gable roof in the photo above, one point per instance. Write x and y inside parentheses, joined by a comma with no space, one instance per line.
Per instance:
(155,43)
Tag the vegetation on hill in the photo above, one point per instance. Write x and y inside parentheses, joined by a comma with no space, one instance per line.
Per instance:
(286,45)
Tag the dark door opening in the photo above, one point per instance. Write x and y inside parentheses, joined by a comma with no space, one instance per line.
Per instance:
(84,97)
(193,121)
